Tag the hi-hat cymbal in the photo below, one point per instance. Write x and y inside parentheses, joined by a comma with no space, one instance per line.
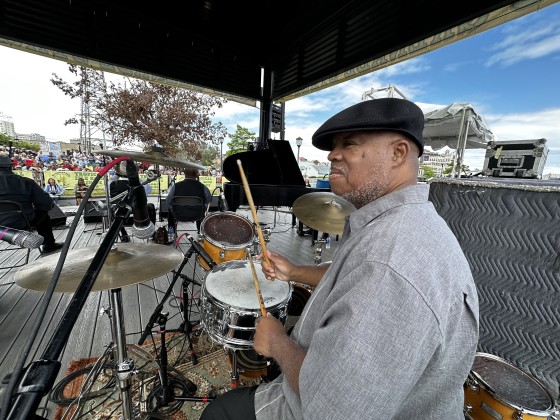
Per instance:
(126,264)
(322,211)
(154,157)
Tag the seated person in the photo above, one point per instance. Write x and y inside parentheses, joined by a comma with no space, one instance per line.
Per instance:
(35,202)
(80,190)
(190,186)
(54,190)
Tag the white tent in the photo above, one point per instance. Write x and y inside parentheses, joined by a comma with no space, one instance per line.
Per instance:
(456,126)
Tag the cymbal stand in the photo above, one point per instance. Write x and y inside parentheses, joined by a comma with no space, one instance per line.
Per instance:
(124,365)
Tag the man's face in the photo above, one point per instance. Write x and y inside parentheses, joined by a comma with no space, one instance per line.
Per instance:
(360,166)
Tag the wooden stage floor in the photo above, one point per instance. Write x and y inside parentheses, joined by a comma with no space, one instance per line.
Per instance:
(91,333)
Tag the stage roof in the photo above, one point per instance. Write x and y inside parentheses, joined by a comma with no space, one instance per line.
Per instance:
(222,46)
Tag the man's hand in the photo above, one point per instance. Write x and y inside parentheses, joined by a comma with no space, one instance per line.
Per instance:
(269,335)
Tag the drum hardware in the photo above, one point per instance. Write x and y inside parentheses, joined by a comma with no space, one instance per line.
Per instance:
(165,394)
(319,250)
(322,211)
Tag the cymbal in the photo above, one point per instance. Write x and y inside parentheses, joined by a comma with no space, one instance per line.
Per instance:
(322,211)
(126,264)
(152,156)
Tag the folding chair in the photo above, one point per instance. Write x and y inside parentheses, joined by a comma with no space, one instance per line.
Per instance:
(13,207)
(188,209)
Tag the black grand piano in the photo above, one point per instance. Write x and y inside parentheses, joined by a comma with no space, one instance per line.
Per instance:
(273,176)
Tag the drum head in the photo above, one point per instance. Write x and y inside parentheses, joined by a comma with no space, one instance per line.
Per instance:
(232,283)
(228,229)
(511,385)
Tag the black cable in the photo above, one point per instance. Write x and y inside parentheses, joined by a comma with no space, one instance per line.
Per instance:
(57,393)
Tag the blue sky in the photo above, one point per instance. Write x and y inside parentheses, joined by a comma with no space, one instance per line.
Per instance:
(509,74)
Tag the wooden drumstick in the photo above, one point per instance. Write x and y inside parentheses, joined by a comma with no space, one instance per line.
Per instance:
(257,284)
(253,211)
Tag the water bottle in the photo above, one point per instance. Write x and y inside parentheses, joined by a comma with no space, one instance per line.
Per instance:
(171,233)
(328,242)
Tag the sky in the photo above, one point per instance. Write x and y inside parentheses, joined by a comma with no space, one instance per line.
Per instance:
(509,74)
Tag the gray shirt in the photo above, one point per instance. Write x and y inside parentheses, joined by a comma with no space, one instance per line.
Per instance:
(392,328)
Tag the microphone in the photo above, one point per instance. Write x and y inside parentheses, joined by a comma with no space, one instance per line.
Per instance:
(143,227)
(223,198)
(201,251)
(21,238)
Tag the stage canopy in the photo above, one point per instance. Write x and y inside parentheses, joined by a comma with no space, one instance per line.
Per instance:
(457,126)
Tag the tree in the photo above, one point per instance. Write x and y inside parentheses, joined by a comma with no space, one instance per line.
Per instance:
(464,168)
(137,111)
(427,171)
(239,141)
(210,155)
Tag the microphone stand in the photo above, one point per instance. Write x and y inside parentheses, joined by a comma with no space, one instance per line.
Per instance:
(40,375)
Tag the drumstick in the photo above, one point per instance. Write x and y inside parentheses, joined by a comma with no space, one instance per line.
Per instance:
(252,205)
(257,285)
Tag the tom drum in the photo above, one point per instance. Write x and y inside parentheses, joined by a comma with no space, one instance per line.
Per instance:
(225,237)
(495,389)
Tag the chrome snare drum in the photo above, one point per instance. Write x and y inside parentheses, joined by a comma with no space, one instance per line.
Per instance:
(496,390)
(230,305)
(226,235)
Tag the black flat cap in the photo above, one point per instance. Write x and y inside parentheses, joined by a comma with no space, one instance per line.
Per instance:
(381,114)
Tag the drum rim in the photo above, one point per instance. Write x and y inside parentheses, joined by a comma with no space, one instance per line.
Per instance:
(481,382)
(219,244)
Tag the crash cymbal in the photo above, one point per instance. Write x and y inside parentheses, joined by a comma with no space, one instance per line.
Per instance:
(126,264)
(322,211)
(152,156)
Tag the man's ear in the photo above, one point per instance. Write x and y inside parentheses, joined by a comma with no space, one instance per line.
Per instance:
(401,150)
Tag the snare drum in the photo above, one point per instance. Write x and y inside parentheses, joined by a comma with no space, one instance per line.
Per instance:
(226,235)
(230,305)
(495,389)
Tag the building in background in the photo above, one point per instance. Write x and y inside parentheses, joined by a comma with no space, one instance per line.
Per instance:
(7,125)
(437,161)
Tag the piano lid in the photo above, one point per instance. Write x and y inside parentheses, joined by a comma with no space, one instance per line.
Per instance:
(276,165)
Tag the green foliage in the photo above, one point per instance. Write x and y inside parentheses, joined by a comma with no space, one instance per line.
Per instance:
(210,155)
(18,144)
(464,168)
(239,141)
(428,171)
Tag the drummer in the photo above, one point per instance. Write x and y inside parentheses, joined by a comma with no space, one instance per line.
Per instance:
(391,329)
(190,186)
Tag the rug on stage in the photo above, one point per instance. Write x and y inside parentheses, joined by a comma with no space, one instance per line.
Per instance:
(211,375)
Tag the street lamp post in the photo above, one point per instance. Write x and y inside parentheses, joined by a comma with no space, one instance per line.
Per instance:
(299,141)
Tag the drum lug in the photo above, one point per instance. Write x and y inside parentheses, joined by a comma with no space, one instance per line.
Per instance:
(518,415)
(222,253)
(467,410)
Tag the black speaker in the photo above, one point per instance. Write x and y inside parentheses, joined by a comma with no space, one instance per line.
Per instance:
(92,214)
(58,218)
(163,208)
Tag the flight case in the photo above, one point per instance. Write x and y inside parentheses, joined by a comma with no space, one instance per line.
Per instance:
(515,158)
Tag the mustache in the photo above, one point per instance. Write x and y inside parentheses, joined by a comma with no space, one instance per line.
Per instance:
(337,170)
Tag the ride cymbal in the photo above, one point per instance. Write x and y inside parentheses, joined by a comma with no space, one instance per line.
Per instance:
(126,264)
(322,211)
(152,156)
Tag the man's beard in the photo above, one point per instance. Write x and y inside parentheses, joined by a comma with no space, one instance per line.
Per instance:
(376,186)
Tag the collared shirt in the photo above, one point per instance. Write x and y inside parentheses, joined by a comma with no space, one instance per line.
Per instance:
(391,330)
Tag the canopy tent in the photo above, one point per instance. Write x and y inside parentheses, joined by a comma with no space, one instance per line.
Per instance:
(457,126)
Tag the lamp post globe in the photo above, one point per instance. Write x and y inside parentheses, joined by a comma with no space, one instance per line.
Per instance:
(299,141)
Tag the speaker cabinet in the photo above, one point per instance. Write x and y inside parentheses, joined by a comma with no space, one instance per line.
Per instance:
(163,208)
(58,218)
(508,230)
(92,214)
